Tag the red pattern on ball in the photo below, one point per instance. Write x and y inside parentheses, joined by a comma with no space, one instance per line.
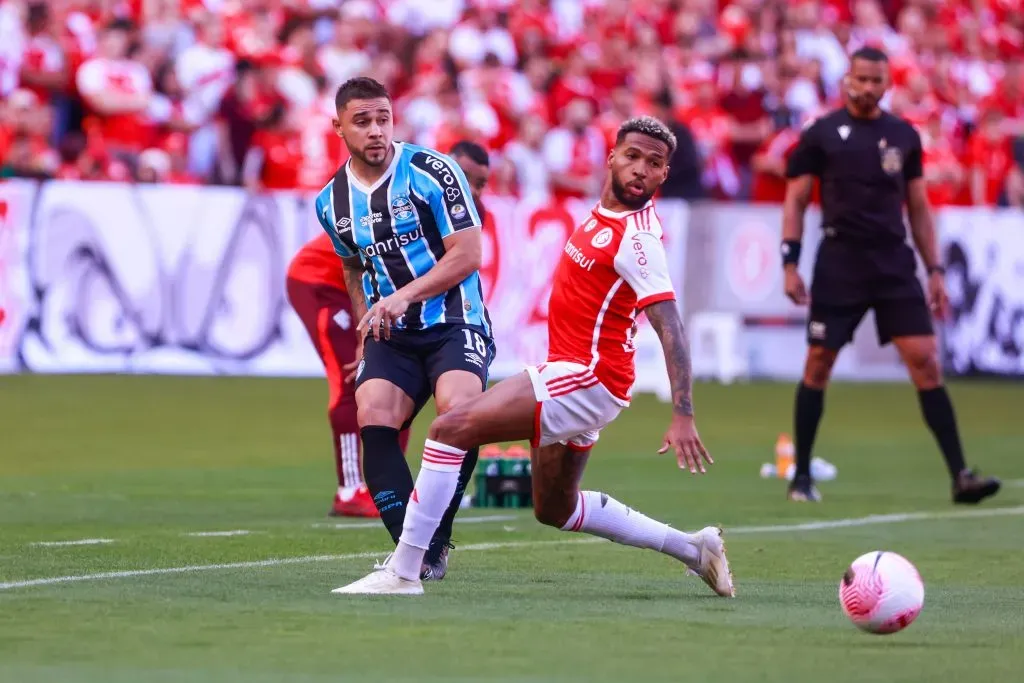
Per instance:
(860,593)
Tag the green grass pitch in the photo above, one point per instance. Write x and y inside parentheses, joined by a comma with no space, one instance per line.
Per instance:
(145,463)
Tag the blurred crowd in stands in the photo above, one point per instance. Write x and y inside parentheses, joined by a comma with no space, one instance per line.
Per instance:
(240,92)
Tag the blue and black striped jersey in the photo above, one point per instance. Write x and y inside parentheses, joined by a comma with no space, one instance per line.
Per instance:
(397,228)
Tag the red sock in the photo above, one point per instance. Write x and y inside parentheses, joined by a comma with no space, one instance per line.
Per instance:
(345,430)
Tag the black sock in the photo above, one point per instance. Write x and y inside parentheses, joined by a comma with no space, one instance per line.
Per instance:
(444,531)
(940,418)
(387,476)
(810,403)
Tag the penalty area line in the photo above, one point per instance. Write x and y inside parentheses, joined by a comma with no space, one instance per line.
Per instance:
(309,559)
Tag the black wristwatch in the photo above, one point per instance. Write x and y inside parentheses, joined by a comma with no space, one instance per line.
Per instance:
(936,269)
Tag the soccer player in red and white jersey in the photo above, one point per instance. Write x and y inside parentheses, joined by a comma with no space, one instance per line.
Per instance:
(613,267)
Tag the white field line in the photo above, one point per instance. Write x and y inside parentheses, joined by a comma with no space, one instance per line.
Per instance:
(83,541)
(374,523)
(876,519)
(369,524)
(1016,483)
(276,562)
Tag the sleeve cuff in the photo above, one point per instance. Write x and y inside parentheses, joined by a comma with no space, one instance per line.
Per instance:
(655,298)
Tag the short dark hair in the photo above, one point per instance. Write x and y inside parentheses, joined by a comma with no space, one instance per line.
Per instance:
(870,54)
(359,88)
(649,126)
(472,151)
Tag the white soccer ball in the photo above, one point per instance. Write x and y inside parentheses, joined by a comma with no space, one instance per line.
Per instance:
(881,592)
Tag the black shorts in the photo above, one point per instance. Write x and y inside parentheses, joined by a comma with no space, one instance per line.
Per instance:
(413,360)
(851,279)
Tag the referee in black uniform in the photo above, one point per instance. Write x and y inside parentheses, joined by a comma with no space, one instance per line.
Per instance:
(869,165)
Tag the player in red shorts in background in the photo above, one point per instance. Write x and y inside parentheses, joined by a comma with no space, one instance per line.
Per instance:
(316,290)
(613,267)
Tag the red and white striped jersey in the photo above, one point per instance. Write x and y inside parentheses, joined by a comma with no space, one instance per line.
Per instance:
(613,265)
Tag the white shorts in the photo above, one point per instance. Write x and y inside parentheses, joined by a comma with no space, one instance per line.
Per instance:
(572,405)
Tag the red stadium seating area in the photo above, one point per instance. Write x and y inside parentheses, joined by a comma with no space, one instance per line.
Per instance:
(241,91)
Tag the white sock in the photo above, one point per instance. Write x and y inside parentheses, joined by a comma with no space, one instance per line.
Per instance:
(601,515)
(435,486)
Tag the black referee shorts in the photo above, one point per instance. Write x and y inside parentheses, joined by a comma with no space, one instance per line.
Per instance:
(413,360)
(850,279)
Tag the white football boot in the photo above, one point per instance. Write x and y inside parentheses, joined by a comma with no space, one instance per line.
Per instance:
(382,581)
(714,566)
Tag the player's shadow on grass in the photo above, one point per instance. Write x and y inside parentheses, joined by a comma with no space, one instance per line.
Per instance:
(661,596)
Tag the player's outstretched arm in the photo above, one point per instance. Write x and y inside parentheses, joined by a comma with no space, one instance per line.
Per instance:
(667,323)
(682,433)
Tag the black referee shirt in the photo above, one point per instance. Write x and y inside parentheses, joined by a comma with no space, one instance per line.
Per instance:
(864,166)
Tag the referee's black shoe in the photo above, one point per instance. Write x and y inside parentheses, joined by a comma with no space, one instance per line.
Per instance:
(803,490)
(970,489)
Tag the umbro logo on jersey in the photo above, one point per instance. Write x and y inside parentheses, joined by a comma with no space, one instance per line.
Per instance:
(343,223)
(370,219)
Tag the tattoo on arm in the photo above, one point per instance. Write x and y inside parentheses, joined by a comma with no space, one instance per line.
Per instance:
(664,317)
(354,284)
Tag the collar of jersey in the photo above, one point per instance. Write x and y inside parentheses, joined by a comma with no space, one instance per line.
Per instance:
(612,214)
(361,186)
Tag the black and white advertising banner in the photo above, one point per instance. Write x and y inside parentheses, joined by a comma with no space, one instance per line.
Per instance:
(106,277)
(983,251)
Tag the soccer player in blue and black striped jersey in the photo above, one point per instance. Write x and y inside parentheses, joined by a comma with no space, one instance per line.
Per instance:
(404,222)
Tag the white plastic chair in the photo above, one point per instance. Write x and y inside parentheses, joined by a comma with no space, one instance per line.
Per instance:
(718,346)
